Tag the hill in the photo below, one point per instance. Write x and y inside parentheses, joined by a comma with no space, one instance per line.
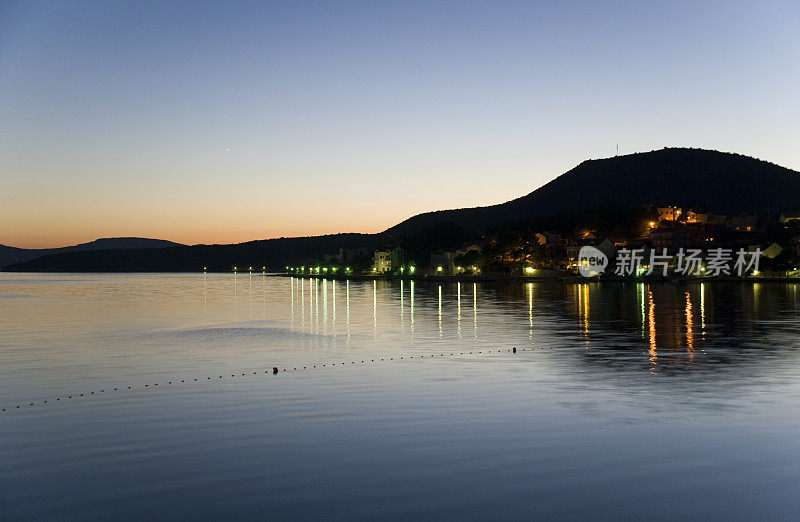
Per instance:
(718,182)
(10,255)
(274,253)
(609,189)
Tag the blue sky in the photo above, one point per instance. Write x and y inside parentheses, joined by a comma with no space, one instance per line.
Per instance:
(231,121)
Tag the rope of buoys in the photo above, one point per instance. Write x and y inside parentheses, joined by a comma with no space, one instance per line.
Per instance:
(275,371)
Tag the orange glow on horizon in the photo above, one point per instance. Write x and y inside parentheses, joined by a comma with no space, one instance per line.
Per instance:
(55,239)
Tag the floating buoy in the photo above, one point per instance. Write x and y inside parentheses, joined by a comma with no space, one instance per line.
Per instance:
(765,341)
(274,370)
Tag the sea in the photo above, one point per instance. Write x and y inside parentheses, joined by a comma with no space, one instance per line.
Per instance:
(253,396)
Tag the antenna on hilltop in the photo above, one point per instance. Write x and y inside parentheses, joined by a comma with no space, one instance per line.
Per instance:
(617,149)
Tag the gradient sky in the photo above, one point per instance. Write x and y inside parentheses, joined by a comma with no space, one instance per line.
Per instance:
(116,118)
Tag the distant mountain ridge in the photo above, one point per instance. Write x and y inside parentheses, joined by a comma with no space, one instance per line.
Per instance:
(718,182)
(273,253)
(10,255)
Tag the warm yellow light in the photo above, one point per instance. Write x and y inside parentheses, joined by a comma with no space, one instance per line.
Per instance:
(439,268)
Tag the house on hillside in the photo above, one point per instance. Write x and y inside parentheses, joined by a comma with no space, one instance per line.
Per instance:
(382,261)
(397,258)
(671,236)
(349,255)
(742,223)
(442,263)
(668,213)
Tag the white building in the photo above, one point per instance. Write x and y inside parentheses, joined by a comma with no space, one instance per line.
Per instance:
(382,261)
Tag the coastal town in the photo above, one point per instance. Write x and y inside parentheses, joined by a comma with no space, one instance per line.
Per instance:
(667,234)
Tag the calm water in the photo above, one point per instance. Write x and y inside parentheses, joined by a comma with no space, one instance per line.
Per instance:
(623,401)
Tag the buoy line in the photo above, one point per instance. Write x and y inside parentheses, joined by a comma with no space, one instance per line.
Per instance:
(274,371)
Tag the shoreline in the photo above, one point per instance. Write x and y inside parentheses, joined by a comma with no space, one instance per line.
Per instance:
(566,278)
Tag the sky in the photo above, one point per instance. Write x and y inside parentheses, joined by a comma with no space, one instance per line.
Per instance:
(223,122)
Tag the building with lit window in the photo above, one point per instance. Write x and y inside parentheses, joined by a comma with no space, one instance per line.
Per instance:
(382,262)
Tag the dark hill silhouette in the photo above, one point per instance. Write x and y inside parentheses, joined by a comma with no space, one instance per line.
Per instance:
(718,182)
(273,253)
(9,254)
(610,188)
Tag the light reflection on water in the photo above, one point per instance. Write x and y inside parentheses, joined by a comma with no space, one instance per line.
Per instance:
(610,384)
(678,324)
